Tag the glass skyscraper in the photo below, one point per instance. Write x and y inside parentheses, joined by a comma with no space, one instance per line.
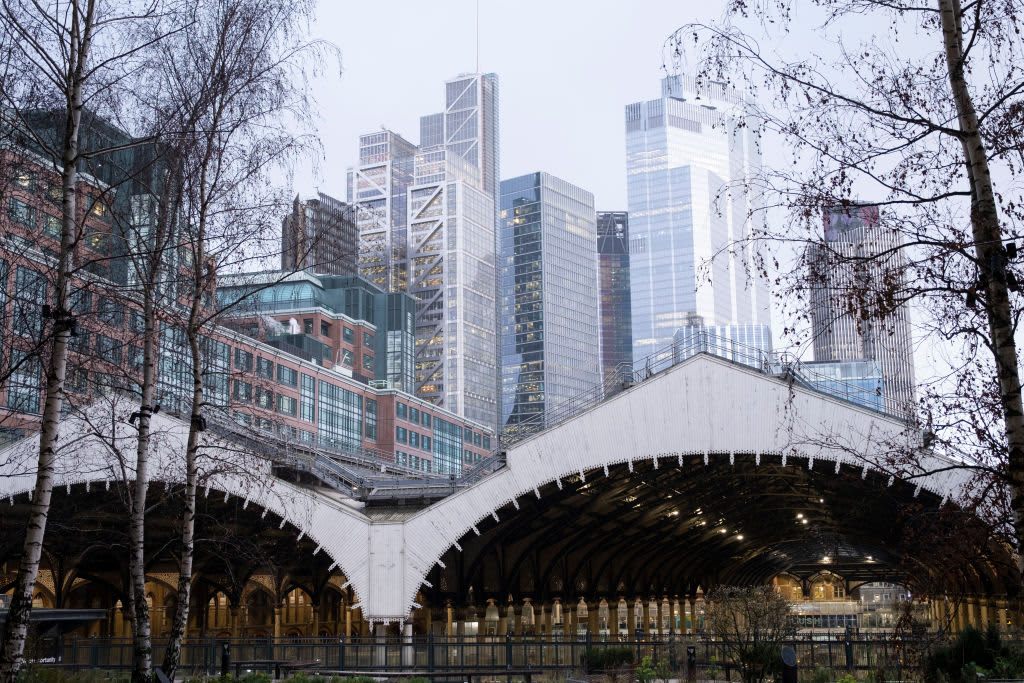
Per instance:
(549,295)
(427,216)
(613,283)
(378,188)
(859,250)
(687,155)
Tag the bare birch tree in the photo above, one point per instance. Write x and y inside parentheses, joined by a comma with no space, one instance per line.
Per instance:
(242,66)
(72,57)
(918,109)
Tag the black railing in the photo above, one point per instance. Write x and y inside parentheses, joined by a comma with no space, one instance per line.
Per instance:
(432,653)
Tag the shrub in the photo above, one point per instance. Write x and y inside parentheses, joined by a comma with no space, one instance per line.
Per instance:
(973,653)
(602,658)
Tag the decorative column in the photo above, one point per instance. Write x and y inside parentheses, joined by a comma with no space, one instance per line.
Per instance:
(316,619)
(277,620)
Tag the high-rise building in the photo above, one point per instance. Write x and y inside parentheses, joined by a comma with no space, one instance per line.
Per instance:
(859,256)
(378,188)
(613,286)
(320,234)
(549,295)
(687,155)
(452,276)
(427,216)
(468,128)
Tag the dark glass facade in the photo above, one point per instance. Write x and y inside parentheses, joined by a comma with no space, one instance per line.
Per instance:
(320,234)
(616,308)
(549,296)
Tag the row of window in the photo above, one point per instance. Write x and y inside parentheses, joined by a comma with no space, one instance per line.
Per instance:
(420,417)
(414,461)
(347,333)
(414,439)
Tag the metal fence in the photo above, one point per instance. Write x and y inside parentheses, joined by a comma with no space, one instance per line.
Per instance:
(415,654)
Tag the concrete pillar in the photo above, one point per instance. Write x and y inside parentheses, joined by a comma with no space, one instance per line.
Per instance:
(408,656)
(380,633)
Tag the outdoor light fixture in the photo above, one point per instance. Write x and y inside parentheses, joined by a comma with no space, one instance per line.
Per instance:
(740,537)
(804,521)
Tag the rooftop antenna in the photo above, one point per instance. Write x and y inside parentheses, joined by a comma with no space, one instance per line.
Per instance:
(478,36)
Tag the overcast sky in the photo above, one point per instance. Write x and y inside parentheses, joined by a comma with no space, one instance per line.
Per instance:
(567,69)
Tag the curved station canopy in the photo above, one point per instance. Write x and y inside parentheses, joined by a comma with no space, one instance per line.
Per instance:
(704,474)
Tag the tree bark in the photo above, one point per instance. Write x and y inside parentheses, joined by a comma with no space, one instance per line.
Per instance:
(988,238)
(15,633)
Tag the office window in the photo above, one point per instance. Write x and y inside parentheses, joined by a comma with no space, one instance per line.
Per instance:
(265,368)
(264,398)
(346,358)
(242,391)
(487,443)
(109,312)
(307,326)
(400,411)
(287,375)
(137,321)
(325,329)
(339,416)
(30,293)
(367,339)
(414,415)
(368,361)
(52,226)
(287,405)
(243,361)
(370,418)
(20,212)
(425,419)
(24,179)
(414,439)
(468,435)
(108,349)
(25,383)
(425,441)
(307,398)
(476,439)
(81,301)
(401,435)
(348,335)
(242,418)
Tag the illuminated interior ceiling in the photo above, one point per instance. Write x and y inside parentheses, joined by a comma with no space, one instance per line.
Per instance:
(669,529)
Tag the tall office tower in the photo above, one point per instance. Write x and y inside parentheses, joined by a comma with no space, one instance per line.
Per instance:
(452,276)
(613,285)
(320,234)
(683,150)
(469,128)
(859,251)
(549,295)
(378,189)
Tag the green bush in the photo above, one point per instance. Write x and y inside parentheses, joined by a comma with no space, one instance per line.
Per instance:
(39,674)
(603,658)
(254,677)
(823,674)
(973,653)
